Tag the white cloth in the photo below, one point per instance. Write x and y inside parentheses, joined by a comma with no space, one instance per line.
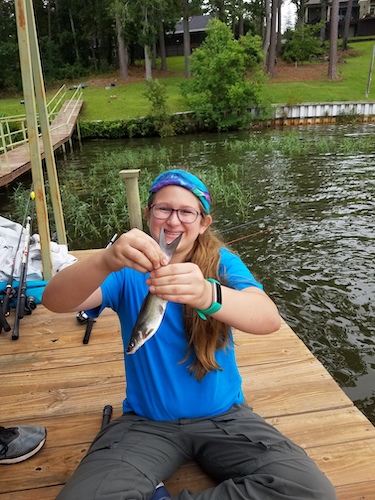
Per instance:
(9,237)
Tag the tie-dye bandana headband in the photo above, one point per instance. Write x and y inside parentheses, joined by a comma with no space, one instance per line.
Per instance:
(185,180)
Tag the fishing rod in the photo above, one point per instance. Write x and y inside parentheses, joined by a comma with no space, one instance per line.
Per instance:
(9,291)
(253,221)
(21,295)
(82,316)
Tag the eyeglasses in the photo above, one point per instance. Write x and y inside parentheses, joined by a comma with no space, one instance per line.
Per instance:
(185,215)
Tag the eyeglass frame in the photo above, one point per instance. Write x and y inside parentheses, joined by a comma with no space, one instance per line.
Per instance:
(174,210)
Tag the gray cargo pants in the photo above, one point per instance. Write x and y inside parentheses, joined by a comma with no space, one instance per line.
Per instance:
(248,458)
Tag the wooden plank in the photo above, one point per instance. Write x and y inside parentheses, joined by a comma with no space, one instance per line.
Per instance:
(63,398)
(342,465)
(68,356)
(322,428)
(277,347)
(44,330)
(48,493)
(361,491)
(291,388)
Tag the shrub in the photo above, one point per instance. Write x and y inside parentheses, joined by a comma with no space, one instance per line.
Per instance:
(220,91)
(303,44)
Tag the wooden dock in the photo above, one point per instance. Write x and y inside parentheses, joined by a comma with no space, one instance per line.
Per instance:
(48,377)
(17,161)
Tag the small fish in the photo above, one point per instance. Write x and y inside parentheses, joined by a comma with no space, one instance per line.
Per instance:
(153,308)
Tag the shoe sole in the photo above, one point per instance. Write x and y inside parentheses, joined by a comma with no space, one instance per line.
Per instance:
(16,460)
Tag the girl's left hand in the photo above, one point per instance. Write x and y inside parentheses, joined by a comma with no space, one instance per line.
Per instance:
(183,283)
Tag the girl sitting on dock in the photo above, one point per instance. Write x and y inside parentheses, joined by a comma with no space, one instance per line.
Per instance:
(183,388)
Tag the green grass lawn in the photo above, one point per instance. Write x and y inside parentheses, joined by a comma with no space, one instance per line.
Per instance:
(129,101)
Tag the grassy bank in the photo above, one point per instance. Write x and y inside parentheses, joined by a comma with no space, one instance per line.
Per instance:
(128,100)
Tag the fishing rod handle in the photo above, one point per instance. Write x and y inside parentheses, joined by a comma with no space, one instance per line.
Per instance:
(107,413)
(16,329)
(89,325)
(3,321)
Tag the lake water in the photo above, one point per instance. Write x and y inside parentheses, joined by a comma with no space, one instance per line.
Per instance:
(309,237)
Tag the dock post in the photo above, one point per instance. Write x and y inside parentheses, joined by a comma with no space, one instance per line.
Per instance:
(44,124)
(32,128)
(4,145)
(132,193)
(79,134)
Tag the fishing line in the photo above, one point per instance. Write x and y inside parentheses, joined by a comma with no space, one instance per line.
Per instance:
(255,234)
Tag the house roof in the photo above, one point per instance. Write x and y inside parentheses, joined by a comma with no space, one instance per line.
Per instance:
(196,23)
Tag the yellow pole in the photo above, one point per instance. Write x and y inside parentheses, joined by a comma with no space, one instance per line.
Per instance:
(44,124)
(132,193)
(32,126)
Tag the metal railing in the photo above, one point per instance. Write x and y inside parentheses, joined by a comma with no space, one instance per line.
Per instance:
(13,129)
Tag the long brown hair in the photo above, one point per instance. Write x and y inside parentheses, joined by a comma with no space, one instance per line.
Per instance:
(205,337)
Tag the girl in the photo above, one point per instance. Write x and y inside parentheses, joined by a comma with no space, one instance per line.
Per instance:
(183,395)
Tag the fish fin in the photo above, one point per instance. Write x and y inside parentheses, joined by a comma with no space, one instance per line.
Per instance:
(149,333)
(162,242)
(168,248)
(171,247)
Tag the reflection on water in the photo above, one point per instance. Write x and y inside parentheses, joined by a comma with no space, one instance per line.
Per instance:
(313,245)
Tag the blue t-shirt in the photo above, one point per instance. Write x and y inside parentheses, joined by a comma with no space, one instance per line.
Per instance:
(159,385)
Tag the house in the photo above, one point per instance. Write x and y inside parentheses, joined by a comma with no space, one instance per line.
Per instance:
(316,10)
(362,21)
(174,40)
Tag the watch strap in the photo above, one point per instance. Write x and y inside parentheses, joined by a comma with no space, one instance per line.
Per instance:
(216,302)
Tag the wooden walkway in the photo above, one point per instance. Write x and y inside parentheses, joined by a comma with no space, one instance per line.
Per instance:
(17,161)
(48,377)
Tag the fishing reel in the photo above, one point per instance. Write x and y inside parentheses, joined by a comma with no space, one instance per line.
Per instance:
(82,317)
(30,304)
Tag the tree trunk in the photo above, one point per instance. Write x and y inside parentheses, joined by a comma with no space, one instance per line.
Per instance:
(163,51)
(334,24)
(267,36)
(123,57)
(278,31)
(148,62)
(323,17)
(74,35)
(186,36)
(271,62)
(49,21)
(240,25)
(153,55)
(348,16)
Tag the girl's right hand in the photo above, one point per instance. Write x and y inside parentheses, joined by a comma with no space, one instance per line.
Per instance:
(134,249)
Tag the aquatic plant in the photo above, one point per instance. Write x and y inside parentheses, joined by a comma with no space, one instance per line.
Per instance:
(292,144)
(94,203)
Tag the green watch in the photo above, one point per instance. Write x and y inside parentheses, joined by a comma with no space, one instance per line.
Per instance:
(216,302)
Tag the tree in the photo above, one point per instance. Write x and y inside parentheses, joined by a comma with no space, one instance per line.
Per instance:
(10,74)
(220,91)
(334,29)
(348,16)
